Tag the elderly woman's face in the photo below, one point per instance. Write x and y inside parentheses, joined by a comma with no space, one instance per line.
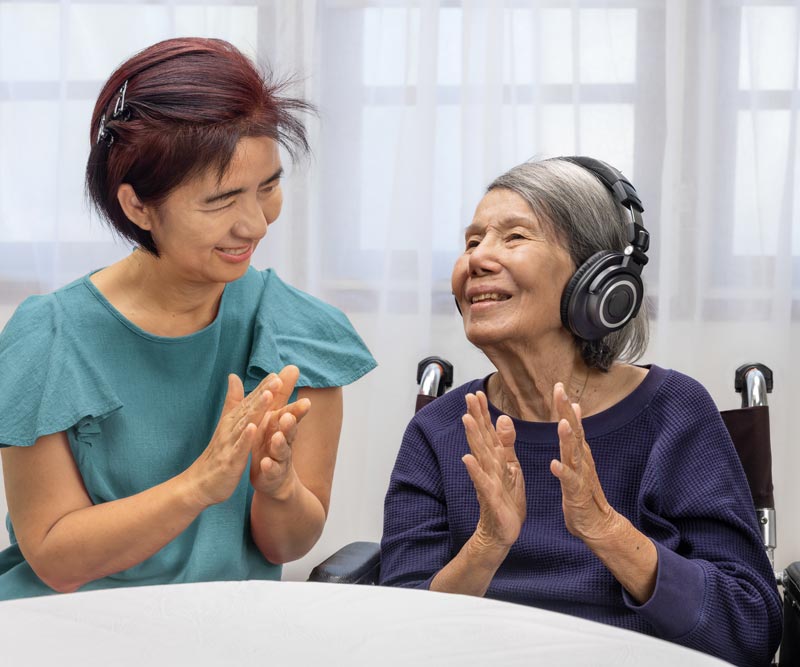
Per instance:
(509,281)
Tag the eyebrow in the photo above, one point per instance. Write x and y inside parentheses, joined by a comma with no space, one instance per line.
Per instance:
(232,193)
(504,223)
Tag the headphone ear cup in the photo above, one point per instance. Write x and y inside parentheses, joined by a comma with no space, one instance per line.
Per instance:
(602,296)
(571,304)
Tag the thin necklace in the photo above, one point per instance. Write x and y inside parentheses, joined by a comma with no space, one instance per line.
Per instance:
(502,392)
(583,388)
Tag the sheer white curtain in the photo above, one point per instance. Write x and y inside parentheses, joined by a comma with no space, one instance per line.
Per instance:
(421,105)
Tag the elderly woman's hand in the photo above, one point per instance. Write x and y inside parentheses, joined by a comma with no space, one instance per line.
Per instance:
(271,470)
(495,473)
(587,513)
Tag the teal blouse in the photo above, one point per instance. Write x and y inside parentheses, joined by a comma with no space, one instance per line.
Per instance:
(138,409)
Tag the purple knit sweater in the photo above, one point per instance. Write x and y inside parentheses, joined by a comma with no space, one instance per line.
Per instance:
(665,461)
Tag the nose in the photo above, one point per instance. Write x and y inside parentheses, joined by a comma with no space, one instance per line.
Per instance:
(483,258)
(252,223)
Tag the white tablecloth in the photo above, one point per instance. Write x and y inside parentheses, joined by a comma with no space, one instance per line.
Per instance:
(291,623)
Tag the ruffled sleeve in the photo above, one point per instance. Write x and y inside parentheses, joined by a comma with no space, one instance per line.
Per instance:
(48,379)
(292,327)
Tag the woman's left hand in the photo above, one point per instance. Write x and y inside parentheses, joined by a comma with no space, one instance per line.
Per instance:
(587,513)
(271,469)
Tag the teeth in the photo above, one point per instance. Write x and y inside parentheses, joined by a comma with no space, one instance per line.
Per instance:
(234,251)
(490,296)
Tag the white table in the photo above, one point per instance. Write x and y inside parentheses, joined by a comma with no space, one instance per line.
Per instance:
(290,623)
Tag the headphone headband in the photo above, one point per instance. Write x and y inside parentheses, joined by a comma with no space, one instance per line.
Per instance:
(626,196)
(606,291)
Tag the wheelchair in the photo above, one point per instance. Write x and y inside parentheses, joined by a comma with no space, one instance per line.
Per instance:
(359,562)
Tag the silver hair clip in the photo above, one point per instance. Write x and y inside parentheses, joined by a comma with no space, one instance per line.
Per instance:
(103,133)
(121,112)
(119,106)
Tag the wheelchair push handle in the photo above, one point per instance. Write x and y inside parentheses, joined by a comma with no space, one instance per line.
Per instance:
(753,382)
(434,377)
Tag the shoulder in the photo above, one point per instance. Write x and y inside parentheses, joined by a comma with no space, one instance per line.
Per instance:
(677,396)
(294,327)
(279,291)
(277,300)
(443,415)
(40,315)
(687,425)
(48,379)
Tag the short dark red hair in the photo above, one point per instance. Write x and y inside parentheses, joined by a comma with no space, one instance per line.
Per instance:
(188,102)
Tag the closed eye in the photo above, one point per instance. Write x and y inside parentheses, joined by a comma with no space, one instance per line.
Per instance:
(221,208)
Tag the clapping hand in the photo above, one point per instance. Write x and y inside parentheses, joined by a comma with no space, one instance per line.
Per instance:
(262,424)
(587,513)
(271,470)
(495,473)
(217,471)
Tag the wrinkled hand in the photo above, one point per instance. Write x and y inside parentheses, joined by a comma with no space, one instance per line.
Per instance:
(587,513)
(217,471)
(271,469)
(495,473)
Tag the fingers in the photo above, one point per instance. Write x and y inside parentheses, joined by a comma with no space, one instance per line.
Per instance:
(281,440)
(252,407)
(480,480)
(481,439)
(492,446)
(288,376)
(270,422)
(576,469)
(279,453)
(507,436)
(565,409)
(570,429)
(234,393)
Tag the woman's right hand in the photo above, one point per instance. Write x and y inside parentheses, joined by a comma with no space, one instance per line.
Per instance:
(218,470)
(495,473)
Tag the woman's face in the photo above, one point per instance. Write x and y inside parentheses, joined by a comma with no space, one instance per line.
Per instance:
(509,281)
(208,228)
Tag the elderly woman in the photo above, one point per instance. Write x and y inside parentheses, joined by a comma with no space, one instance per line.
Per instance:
(577,481)
(175,416)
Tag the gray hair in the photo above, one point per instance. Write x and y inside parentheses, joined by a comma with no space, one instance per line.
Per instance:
(584,219)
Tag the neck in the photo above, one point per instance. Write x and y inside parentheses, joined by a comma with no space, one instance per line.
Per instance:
(523,385)
(155,299)
(164,290)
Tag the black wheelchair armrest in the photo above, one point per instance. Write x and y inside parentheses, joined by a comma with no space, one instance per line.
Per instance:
(354,563)
(790,645)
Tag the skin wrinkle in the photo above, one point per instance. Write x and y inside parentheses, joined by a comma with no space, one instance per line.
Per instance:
(508,251)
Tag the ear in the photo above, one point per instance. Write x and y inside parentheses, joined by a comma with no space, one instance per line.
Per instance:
(139,214)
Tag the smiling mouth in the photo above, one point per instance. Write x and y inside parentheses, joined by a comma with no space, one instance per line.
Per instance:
(235,251)
(490,296)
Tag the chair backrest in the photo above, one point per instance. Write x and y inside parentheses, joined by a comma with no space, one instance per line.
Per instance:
(749,429)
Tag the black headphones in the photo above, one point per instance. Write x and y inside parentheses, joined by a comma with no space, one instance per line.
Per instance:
(606,291)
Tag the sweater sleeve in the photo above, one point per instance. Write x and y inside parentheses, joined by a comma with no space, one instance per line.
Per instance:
(715,589)
(416,541)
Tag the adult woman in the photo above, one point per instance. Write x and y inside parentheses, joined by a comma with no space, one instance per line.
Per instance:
(129,460)
(652,527)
